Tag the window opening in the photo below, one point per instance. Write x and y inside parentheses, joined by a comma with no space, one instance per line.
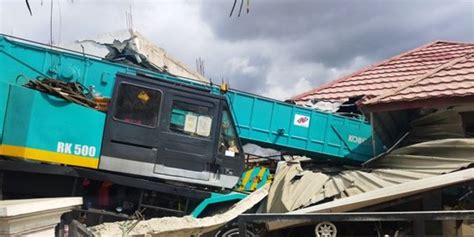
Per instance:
(228,143)
(137,105)
(191,119)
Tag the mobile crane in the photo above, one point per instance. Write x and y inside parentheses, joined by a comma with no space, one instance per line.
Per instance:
(160,142)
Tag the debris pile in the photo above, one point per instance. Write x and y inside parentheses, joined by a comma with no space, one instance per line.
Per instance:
(69,91)
(290,190)
(181,226)
(73,92)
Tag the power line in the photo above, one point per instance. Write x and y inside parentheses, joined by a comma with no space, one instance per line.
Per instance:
(60,22)
(29,8)
(51,23)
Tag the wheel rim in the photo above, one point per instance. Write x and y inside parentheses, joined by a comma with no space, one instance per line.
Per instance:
(325,229)
(234,232)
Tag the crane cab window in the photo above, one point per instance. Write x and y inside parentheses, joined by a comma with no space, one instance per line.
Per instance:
(228,143)
(137,105)
(191,119)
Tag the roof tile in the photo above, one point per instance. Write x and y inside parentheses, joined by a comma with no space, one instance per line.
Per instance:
(455,80)
(400,71)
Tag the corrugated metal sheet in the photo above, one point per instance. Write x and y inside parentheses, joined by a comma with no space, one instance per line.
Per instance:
(435,126)
(379,196)
(294,188)
(392,193)
(395,72)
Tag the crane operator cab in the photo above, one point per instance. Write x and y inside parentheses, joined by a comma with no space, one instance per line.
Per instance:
(159,129)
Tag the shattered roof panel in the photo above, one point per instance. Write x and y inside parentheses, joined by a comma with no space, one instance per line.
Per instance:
(415,162)
(379,196)
(390,74)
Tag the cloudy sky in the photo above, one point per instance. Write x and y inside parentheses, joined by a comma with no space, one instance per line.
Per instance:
(281,48)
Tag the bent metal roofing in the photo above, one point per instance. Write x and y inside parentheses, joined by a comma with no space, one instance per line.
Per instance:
(399,168)
(438,69)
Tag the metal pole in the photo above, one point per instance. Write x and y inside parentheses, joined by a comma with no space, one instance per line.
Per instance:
(1,185)
(374,152)
(419,228)
(242,227)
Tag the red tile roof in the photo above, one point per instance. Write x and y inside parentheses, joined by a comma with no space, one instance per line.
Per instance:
(396,73)
(450,80)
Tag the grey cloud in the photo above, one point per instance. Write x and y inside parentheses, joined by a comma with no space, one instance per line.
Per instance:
(71,20)
(334,32)
(240,78)
(289,45)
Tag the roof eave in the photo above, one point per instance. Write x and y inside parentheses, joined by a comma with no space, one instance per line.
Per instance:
(439,102)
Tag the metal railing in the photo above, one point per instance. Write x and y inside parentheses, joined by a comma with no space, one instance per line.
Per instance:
(417,217)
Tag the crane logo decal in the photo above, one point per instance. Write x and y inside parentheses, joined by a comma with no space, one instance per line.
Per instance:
(301,120)
(359,140)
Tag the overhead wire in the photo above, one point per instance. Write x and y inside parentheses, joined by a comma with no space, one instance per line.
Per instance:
(231,11)
(240,8)
(131,17)
(241,5)
(51,23)
(60,22)
(29,7)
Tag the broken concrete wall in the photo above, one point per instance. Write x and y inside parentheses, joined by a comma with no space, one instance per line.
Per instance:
(100,47)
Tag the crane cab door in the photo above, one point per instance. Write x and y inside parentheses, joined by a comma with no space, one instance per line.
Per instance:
(159,130)
(187,136)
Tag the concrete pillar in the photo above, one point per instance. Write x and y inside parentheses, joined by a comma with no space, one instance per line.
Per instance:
(1,185)
(34,217)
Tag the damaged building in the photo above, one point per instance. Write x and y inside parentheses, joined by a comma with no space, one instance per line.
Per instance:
(392,138)
(421,106)
(394,93)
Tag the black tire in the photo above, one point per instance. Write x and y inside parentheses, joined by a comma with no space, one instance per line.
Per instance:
(232,230)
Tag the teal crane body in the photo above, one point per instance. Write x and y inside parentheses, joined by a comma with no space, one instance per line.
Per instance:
(259,120)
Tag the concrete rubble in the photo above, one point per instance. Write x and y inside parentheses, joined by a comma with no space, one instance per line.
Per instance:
(181,226)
